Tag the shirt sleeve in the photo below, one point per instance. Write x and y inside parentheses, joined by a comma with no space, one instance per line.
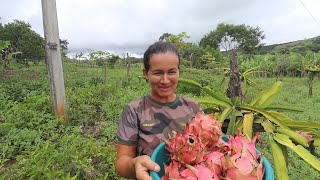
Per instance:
(195,106)
(128,129)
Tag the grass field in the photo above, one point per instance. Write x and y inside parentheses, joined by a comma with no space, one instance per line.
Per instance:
(34,144)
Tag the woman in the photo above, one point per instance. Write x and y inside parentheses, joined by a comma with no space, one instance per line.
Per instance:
(147,121)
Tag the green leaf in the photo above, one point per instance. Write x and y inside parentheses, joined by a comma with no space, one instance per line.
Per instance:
(282,108)
(265,114)
(280,116)
(300,150)
(298,138)
(190,83)
(217,95)
(232,124)
(213,102)
(247,124)
(285,153)
(278,155)
(249,71)
(267,96)
(225,113)
(244,80)
(267,126)
(4,44)
(302,124)
(251,83)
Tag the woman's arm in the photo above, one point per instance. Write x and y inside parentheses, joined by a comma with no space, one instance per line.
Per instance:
(129,166)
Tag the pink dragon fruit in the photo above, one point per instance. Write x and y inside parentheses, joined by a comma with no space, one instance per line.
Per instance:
(308,135)
(198,172)
(214,161)
(202,153)
(207,128)
(243,165)
(173,170)
(238,142)
(186,148)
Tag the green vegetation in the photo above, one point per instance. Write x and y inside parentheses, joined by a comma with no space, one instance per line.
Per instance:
(24,39)
(229,36)
(35,144)
(301,47)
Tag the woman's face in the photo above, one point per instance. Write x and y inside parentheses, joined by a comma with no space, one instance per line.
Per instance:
(163,76)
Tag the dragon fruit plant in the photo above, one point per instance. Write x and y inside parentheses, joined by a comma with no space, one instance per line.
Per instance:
(200,152)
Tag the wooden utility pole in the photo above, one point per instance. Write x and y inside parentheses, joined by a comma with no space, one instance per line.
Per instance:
(53,57)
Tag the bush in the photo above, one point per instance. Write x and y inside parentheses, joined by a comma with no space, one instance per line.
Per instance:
(72,156)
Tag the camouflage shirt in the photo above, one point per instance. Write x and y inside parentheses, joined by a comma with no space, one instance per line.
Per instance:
(144,123)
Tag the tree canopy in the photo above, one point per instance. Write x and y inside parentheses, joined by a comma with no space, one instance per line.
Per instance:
(229,36)
(64,47)
(22,38)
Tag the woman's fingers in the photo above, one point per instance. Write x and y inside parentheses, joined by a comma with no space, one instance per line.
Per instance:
(150,165)
(143,165)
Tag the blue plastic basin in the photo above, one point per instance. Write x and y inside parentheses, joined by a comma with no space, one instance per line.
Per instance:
(160,156)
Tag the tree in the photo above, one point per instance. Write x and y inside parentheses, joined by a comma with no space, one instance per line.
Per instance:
(164,35)
(23,39)
(4,53)
(79,56)
(229,36)
(112,60)
(177,40)
(64,47)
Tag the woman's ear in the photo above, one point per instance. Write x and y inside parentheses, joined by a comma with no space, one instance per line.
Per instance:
(145,73)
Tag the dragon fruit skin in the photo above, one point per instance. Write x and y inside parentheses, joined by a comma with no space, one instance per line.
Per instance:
(234,173)
(243,165)
(214,161)
(238,142)
(172,171)
(235,144)
(207,128)
(198,172)
(186,148)
(309,136)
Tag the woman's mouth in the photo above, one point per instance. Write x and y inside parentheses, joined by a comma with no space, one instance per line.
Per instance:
(165,88)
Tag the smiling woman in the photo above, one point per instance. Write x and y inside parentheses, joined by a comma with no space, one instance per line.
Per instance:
(163,76)
(147,121)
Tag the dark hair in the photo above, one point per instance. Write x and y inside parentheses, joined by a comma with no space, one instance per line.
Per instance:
(157,48)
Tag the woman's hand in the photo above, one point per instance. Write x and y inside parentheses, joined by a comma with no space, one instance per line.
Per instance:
(129,166)
(144,164)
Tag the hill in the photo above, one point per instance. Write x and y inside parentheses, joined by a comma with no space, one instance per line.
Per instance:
(300,46)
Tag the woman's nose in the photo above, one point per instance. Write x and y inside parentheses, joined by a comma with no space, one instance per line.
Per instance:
(165,79)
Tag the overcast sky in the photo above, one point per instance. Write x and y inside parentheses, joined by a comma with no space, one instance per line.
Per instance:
(130,26)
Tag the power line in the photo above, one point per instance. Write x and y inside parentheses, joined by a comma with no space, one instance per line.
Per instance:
(309,12)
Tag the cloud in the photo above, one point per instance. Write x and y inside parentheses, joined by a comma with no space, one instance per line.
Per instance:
(131,25)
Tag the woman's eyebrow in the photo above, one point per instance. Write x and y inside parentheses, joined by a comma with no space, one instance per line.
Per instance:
(157,70)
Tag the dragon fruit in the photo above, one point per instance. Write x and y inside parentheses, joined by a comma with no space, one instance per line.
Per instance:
(202,152)
(173,170)
(215,161)
(207,128)
(243,165)
(309,136)
(198,172)
(186,148)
